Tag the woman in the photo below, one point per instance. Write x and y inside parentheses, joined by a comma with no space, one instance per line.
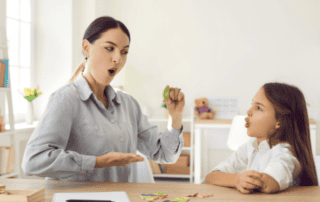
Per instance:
(90,131)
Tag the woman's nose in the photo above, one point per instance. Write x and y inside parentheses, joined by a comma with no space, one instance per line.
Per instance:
(117,58)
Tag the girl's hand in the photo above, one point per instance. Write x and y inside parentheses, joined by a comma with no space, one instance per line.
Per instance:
(117,159)
(249,180)
(175,101)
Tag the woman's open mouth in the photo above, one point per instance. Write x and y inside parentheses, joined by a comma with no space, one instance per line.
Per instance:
(111,72)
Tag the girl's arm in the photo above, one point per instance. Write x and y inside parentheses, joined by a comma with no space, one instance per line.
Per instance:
(281,170)
(221,179)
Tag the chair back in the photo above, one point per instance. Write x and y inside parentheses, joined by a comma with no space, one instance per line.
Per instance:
(8,160)
(144,170)
(238,133)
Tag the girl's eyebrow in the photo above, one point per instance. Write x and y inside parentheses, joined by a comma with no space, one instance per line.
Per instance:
(258,103)
(115,44)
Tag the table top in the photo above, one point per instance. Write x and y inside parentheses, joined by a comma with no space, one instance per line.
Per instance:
(292,194)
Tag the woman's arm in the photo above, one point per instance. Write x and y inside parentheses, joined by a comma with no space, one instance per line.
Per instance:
(45,153)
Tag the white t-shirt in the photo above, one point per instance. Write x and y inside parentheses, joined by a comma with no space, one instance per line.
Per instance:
(278,162)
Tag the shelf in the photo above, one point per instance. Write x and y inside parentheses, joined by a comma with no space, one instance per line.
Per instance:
(165,120)
(186,148)
(171,175)
(5,89)
(9,175)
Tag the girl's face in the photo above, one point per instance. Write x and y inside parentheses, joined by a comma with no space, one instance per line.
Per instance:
(261,119)
(109,52)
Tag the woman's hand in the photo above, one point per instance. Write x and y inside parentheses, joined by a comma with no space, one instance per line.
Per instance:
(117,159)
(249,180)
(175,102)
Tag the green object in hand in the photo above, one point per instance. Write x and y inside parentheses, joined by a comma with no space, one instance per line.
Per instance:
(166,93)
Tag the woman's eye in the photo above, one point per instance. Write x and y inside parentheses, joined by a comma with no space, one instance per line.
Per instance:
(125,52)
(259,108)
(110,48)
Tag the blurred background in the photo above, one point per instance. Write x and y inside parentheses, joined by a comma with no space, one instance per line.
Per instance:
(207,48)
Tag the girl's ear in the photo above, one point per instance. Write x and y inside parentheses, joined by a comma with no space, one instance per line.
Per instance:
(278,125)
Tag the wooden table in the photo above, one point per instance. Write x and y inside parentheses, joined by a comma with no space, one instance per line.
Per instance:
(173,190)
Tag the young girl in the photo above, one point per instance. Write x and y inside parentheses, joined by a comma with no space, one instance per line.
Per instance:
(280,156)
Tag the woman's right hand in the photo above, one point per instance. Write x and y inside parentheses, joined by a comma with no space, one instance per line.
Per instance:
(117,159)
(248,180)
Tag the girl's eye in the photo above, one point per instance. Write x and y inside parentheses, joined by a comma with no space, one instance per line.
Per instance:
(125,52)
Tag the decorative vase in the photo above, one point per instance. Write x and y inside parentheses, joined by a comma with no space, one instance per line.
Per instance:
(29,119)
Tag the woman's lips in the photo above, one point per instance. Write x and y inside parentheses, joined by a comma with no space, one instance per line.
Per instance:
(112,74)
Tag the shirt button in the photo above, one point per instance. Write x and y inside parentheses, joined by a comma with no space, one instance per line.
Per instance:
(112,120)
(96,128)
(121,139)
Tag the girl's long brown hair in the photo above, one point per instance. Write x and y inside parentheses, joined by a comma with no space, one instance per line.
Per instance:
(291,111)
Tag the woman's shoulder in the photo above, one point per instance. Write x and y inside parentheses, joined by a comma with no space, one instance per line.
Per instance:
(67,91)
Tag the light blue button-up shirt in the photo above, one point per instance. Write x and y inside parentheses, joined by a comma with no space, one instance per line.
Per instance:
(278,162)
(76,127)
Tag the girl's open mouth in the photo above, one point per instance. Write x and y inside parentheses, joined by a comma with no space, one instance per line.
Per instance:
(247,125)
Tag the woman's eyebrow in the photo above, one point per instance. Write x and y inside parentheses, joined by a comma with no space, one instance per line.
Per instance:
(116,44)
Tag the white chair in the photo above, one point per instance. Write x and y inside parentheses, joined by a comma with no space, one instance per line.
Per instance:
(238,133)
(144,170)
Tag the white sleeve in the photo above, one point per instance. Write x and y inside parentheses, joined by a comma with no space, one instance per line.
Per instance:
(238,161)
(282,166)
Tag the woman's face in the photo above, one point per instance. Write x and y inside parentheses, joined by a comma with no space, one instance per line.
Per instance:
(261,119)
(109,52)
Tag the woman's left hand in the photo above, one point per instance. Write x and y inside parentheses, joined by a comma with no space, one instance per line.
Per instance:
(175,102)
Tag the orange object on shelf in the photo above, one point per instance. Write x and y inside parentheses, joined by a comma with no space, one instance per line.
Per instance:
(186,139)
(179,170)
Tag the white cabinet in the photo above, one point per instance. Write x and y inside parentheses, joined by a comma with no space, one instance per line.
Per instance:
(189,150)
(19,139)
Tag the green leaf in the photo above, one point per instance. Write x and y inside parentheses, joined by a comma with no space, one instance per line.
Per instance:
(30,97)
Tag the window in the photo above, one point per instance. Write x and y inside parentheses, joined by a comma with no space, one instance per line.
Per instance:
(19,36)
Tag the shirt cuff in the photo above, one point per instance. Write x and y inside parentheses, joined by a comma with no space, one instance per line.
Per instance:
(88,163)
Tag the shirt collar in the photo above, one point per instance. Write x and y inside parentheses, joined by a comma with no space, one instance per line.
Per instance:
(85,90)
(263,146)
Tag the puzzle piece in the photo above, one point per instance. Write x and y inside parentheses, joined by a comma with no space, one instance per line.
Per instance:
(161,195)
(192,194)
(181,199)
(149,196)
(202,195)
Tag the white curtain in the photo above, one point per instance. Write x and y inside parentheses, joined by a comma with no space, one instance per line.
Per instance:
(3,34)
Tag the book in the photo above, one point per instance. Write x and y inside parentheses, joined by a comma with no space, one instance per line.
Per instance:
(4,73)
(112,196)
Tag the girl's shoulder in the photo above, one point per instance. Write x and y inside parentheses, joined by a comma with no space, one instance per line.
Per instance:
(282,145)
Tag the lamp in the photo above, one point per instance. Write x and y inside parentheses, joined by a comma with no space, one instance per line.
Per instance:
(120,79)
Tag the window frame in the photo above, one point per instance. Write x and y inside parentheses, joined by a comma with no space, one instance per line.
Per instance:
(21,117)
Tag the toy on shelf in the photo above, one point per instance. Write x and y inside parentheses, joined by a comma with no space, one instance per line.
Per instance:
(2,125)
(202,110)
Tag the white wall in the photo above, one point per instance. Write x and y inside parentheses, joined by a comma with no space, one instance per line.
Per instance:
(53,48)
(220,48)
(207,48)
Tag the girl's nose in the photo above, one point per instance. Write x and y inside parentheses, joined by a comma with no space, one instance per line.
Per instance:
(249,112)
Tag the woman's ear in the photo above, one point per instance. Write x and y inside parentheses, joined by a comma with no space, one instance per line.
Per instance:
(86,48)
(278,125)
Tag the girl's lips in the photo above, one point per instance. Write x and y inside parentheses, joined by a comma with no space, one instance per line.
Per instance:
(247,125)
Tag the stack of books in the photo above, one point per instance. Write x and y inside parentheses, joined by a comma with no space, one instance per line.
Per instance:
(4,73)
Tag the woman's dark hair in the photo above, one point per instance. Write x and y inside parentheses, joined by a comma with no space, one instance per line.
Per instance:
(94,31)
(291,111)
